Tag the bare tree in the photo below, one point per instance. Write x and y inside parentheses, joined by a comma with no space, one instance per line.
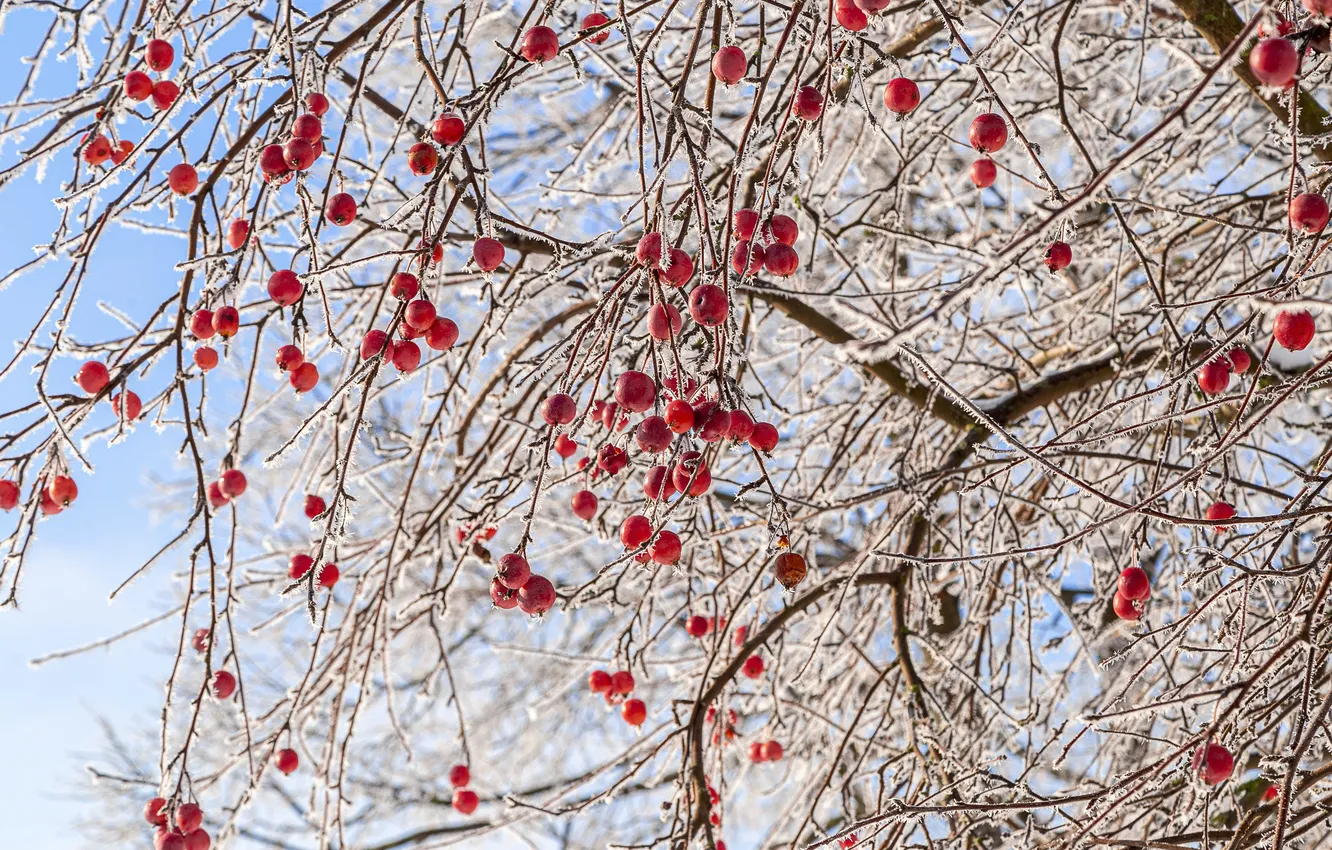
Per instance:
(805,424)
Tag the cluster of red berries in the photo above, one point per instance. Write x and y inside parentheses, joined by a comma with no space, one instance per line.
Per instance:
(775,251)
(301,563)
(615,687)
(55,496)
(464,800)
(304,143)
(760,752)
(229,486)
(729,65)
(516,586)
(93,377)
(728,732)
(1133,591)
(223,684)
(1293,330)
(419,319)
(138,86)
(186,834)
(205,324)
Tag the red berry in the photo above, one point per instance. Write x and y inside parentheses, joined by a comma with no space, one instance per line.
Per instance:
(317,103)
(420,314)
(1274,61)
(783,229)
(299,565)
(201,324)
(226,322)
(216,498)
(1057,256)
(289,357)
(447,129)
(304,377)
(635,531)
(442,334)
(464,801)
(138,86)
(747,257)
(502,596)
(97,151)
(159,54)
(285,288)
(634,712)
(698,626)
(205,358)
(808,103)
(689,468)
(1134,585)
(1214,377)
(741,427)
(648,252)
(1126,609)
(763,437)
(635,391)
(681,268)
(756,752)
(1213,763)
(514,571)
(308,127)
(287,761)
(559,409)
(849,16)
(599,682)
(653,435)
(744,223)
(983,173)
(988,132)
(665,550)
(373,343)
(679,416)
(584,504)
(1239,360)
(729,64)
(183,179)
(459,776)
(314,506)
(1221,510)
(622,683)
(201,639)
(127,405)
(1308,213)
(422,158)
(901,96)
(299,154)
(92,377)
(753,667)
(488,253)
(536,596)
(165,839)
(233,483)
(612,459)
(63,490)
(224,684)
(154,811)
(657,484)
(329,575)
(1293,329)
(708,305)
(781,260)
(341,209)
(789,569)
(772,751)
(165,93)
(540,44)
(712,421)
(1271,794)
(663,321)
(406,355)
(565,447)
(121,151)
(272,162)
(592,21)
(9,495)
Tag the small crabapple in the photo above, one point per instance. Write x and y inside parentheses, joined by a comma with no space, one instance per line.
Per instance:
(1274,61)
(513,571)
(62,490)
(753,667)
(1134,585)
(565,447)
(649,249)
(988,132)
(422,158)
(317,102)
(763,437)
(1308,212)
(584,504)
(536,596)
(488,253)
(599,682)
(287,761)
(1213,763)
(447,129)
(304,377)
(901,96)
(634,712)
(807,104)
(729,64)
(464,801)
(289,357)
(708,305)
(459,776)
(983,173)
(138,86)
(442,334)
(92,377)
(329,575)
(1057,256)
(697,626)
(592,21)
(665,550)
(622,683)
(284,287)
(663,321)
(341,209)
(789,569)
(165,93)
(681,268)
(635,531)
(205,358)
(1293,329)
(540,44)
(224,684)
(1214,377)
(653,435)
(159,54)
(501,596)
(183,179)
(559,409)
(9,495)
